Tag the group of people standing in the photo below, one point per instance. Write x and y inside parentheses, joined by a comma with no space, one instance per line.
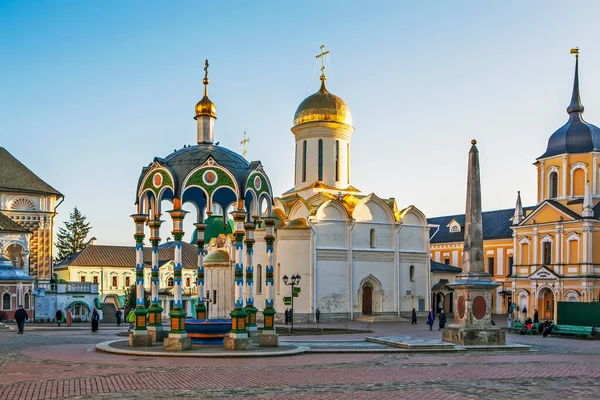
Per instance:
(431,318)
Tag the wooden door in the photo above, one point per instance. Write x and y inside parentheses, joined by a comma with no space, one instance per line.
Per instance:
(548,312)
(367,301)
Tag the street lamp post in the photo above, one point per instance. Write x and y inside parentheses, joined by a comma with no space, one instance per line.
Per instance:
(293,281)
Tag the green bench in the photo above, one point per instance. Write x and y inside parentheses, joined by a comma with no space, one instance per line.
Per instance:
(519,325)
(572,330)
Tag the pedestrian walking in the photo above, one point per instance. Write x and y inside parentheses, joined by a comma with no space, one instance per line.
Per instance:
(118,315)
(69,317)
(442,320)
(21,316)
(131,319)
(413,319)
(536,317)
(95,320)
(318,315)
(430,318)
(291,316)
(287,315)
(58,316)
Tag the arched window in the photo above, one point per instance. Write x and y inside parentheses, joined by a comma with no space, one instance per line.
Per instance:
(6,301)
(304,161)
(553,184)
(27,306)
(412,273)
(337,160)
(170,282)
(578,184)
(372,238)
(258,282)
(320,159)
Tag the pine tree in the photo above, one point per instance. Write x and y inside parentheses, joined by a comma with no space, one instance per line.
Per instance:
(131,296)
(72,237)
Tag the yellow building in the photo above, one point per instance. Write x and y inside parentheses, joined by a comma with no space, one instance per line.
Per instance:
(557,245)
(547,253)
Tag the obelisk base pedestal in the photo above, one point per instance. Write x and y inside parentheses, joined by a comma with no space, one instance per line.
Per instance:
(474,335)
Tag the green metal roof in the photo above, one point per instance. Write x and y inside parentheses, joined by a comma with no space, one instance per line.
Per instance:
(214,228)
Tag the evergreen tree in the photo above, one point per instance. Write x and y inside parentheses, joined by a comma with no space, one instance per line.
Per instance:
(131,295)
(73,236)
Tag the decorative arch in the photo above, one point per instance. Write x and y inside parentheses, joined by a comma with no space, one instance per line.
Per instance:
(571,295)
(372,238)
(332,210)
(299,210)
(22,204)
(580,188)
(413,216)
(542,288)
(371,286)
(265,197)
(363,211)
(251,202)
(522,298)
(573,247)
(156,180)
(553,181)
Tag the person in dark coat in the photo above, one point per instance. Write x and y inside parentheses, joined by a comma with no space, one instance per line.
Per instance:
(413,320)
(318,315)
(95,320)
(287,316)
(430,318)
(20,317)
(442,320)
(536,317)
(58,316)
(119,314)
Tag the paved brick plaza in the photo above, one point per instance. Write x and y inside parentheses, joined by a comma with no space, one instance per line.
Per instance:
(52,363)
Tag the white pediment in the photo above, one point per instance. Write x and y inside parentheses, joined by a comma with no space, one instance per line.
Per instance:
(543,274)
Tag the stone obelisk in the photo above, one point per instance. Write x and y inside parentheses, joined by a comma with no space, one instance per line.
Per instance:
(473,288)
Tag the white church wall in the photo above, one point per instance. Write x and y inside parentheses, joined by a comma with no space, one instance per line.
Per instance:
(332,286)
(412,238)
(361,236)
(331,234)
(293,256)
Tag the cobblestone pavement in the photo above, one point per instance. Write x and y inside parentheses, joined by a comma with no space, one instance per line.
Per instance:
(63,364)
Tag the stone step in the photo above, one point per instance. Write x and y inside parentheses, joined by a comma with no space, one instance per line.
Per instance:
(380,318)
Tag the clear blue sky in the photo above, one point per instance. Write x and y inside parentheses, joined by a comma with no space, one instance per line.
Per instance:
(92,91)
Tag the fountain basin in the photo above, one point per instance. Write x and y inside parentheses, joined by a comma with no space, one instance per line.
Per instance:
(209,332)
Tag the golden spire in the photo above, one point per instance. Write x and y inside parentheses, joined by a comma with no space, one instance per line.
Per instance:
(322,56)
(244,144)
(575,51)
(205,106)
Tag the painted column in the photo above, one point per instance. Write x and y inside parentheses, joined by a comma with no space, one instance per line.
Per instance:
(140,310)
(269,311)
(595,172)
(238,315)
(513,270)
(542,177)
(201,306)
(155,310)
(177,314)
(535,249)
(250,309)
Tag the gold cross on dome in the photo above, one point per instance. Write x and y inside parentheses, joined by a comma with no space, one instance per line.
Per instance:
(322,55)
(244,144)
(205,69)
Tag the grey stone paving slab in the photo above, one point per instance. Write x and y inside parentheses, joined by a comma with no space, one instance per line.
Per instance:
(410,342)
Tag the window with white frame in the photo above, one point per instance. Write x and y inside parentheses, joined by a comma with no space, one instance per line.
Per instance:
(6,301)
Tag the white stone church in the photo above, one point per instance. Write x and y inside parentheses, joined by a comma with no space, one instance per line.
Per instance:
(357,254)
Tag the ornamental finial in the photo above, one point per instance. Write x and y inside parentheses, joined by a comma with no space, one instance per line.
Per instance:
(575,106)
(205,80)
(322,56)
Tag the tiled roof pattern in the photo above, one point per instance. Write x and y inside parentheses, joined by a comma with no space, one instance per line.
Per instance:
(124,256)
(8,225)
(439,267)
(17,177)
(496,225)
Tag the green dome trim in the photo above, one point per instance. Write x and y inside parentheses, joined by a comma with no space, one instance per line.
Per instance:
(214,228)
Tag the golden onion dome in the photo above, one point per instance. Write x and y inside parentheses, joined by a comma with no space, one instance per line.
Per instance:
(205,106)
(323,106)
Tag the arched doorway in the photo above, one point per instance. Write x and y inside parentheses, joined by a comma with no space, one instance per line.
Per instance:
(367,300)
(80,311)
(546,303)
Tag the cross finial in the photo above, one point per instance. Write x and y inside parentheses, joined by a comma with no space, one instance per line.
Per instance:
(244,144)
(322,56)
(205,80)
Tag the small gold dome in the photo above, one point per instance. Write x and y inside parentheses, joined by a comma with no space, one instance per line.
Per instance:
(323,106)
(205,106)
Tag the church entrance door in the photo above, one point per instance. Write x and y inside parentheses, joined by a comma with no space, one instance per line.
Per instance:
(546,310)
(367,300)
